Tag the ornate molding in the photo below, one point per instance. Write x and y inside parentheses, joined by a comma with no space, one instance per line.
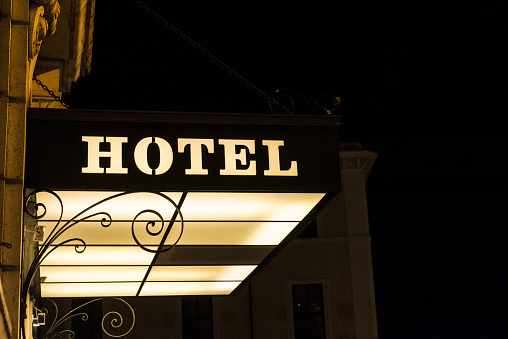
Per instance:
(37,30)
(357,160)
(51,12)
(43,17)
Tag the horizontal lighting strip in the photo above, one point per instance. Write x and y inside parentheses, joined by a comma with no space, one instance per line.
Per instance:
(204,265)
(99,255)
(176,222)
(129,289)
(69,245)
(195,233)
(188,288)
(179,255)
(127,205)
(135,281)
(53,274)
(197,206)
(77,290)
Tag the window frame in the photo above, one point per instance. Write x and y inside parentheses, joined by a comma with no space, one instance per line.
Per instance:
(289,303)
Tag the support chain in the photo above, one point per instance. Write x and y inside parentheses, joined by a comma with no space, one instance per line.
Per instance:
(270,100)
(50,92)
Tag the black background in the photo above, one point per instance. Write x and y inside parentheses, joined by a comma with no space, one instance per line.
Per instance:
(424,84)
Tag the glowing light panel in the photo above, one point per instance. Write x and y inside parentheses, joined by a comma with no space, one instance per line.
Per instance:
(52,274)
(200,273)
(99,255)
(249,206)
(189,288)
(112,264)
(78,290)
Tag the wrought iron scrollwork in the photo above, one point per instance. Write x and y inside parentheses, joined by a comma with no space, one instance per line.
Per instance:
(115,319)
(157,230)
(294,101)
(52,242)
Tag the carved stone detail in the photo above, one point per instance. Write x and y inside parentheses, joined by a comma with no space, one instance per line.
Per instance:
(43,17)
(51,12)
(37,30)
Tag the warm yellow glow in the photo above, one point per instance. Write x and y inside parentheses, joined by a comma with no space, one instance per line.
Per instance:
(77,290)
(255,207)
(188,288)
(249,206)
(196,233)
(234,233)
(118,233)
(137,273)
(114,265)
(93,273)
(197,205)
(200,273)
(120,208)
(100,255)
(270,233)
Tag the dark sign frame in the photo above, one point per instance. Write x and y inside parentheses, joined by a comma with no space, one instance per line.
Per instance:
(56,153)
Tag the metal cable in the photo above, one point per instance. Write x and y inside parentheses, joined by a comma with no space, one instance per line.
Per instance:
(213,58)
(50,92)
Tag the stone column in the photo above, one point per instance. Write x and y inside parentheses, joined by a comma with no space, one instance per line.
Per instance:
(22,28)
(14,89)
(355,167)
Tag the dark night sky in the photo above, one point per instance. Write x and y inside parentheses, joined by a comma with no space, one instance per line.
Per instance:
(424,84)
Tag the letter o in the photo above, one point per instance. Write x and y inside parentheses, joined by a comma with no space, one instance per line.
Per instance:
(141,156)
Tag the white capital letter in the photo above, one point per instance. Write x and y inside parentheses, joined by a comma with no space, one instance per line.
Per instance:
(274,160)
(165,155)
(230,157)
(196,157)
(114,154)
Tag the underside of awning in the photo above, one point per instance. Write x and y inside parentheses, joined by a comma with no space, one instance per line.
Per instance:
(137,244)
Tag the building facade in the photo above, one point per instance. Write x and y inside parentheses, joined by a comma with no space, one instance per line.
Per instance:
(320,278)
(53,40)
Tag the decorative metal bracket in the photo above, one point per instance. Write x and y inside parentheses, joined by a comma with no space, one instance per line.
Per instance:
(326,104)
(52,242)
(116,320)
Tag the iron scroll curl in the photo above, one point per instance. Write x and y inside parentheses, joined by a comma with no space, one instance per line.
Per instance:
(52,242)
(114,318)
(158,231)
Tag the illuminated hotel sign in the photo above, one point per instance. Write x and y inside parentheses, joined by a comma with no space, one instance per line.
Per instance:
(171,203)
(165,152)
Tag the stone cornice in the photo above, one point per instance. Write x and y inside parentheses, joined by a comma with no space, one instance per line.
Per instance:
(357,160)
(70,49)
